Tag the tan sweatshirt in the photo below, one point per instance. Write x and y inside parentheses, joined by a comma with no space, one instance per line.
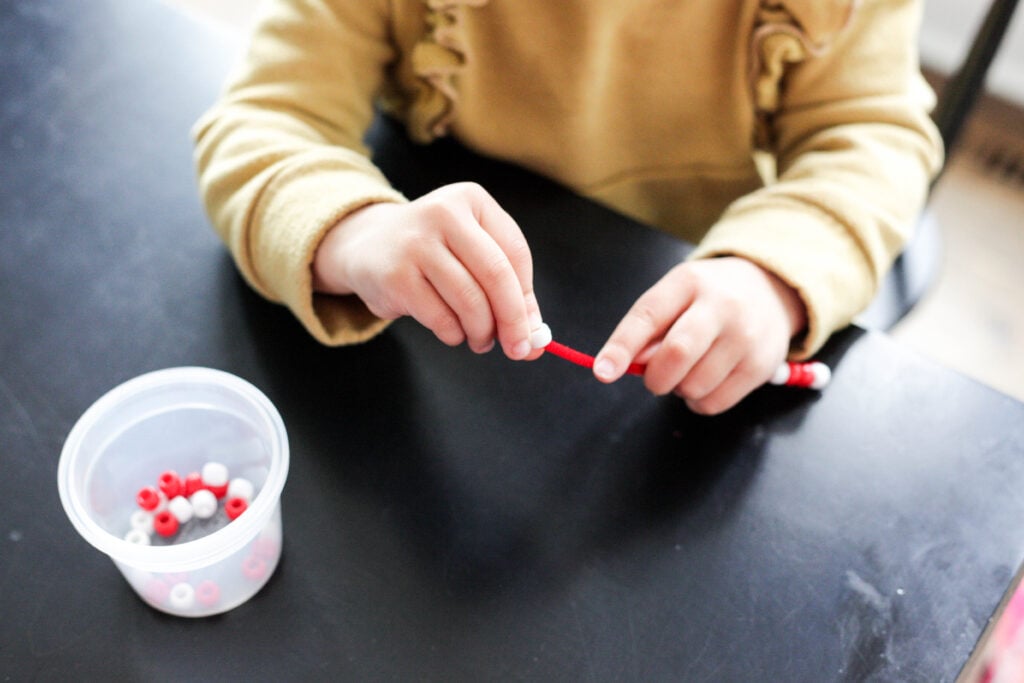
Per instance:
(657,108)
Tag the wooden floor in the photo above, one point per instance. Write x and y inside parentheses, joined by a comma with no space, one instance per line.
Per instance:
(973,319)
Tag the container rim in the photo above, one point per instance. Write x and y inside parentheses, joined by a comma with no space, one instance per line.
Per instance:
(203,551)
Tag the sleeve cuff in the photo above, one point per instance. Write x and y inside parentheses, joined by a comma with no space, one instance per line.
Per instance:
(296,210)
(811,252)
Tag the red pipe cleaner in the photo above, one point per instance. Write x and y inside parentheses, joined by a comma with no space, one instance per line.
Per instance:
(580,358)
(812,375)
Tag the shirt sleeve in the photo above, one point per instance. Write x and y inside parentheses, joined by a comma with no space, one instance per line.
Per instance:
(280,156)
(844,112)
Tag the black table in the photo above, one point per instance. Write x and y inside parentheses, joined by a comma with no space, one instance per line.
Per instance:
(450,516)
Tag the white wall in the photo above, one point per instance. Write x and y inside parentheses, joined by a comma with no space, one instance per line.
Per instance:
(947,30)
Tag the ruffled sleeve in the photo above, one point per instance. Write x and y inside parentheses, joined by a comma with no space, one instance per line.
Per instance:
(437,59)
(785,35)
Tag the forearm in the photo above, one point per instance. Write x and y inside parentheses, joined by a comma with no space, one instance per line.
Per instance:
(855,151)
(280,157)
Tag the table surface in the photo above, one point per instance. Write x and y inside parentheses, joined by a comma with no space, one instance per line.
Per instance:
(451,516)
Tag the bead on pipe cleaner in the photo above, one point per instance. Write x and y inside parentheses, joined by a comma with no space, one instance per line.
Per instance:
(812,375)
(541,336)
(822,375)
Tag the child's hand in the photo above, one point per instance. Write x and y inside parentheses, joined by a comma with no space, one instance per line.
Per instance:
(711,331)
(454,260)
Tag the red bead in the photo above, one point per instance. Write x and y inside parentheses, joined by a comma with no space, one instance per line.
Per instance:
(193,482)
(148,498)
(170,483)
(165,524)
(218,491)
(254,567)
(157,591)
(208,593)
(234,507)
(800,375)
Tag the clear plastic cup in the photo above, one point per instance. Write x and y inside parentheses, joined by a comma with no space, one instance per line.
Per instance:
(179,419)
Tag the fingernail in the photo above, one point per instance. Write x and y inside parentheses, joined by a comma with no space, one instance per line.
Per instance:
(521,349)
(535,319)
(604,368)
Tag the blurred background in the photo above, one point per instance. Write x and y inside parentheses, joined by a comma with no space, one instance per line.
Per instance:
(972,319)
(972,316)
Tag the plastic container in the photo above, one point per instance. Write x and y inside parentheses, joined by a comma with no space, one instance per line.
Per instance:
(180,419)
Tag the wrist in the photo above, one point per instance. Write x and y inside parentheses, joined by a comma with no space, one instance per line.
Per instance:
(330,273)
(792,304)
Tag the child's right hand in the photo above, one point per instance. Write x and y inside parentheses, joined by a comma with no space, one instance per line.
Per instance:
(453,259)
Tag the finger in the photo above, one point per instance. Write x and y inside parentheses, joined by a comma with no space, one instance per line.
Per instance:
(710,371)
(645,323)
(753,370)
(464,296)
(645,355)
(492,269)
(533,315)
(428,308)
(686,344)
(734,388)
(507,234)
(540,333)
(504,230)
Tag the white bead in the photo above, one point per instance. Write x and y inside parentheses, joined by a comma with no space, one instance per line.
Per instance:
(180,508)
(822,375)
(215,474)
(204,503)
(781,375)
(541,336)
(182,596)
(240,488)
(142,520)
(137,537)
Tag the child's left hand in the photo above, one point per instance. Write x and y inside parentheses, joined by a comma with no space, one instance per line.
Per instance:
(711,331)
